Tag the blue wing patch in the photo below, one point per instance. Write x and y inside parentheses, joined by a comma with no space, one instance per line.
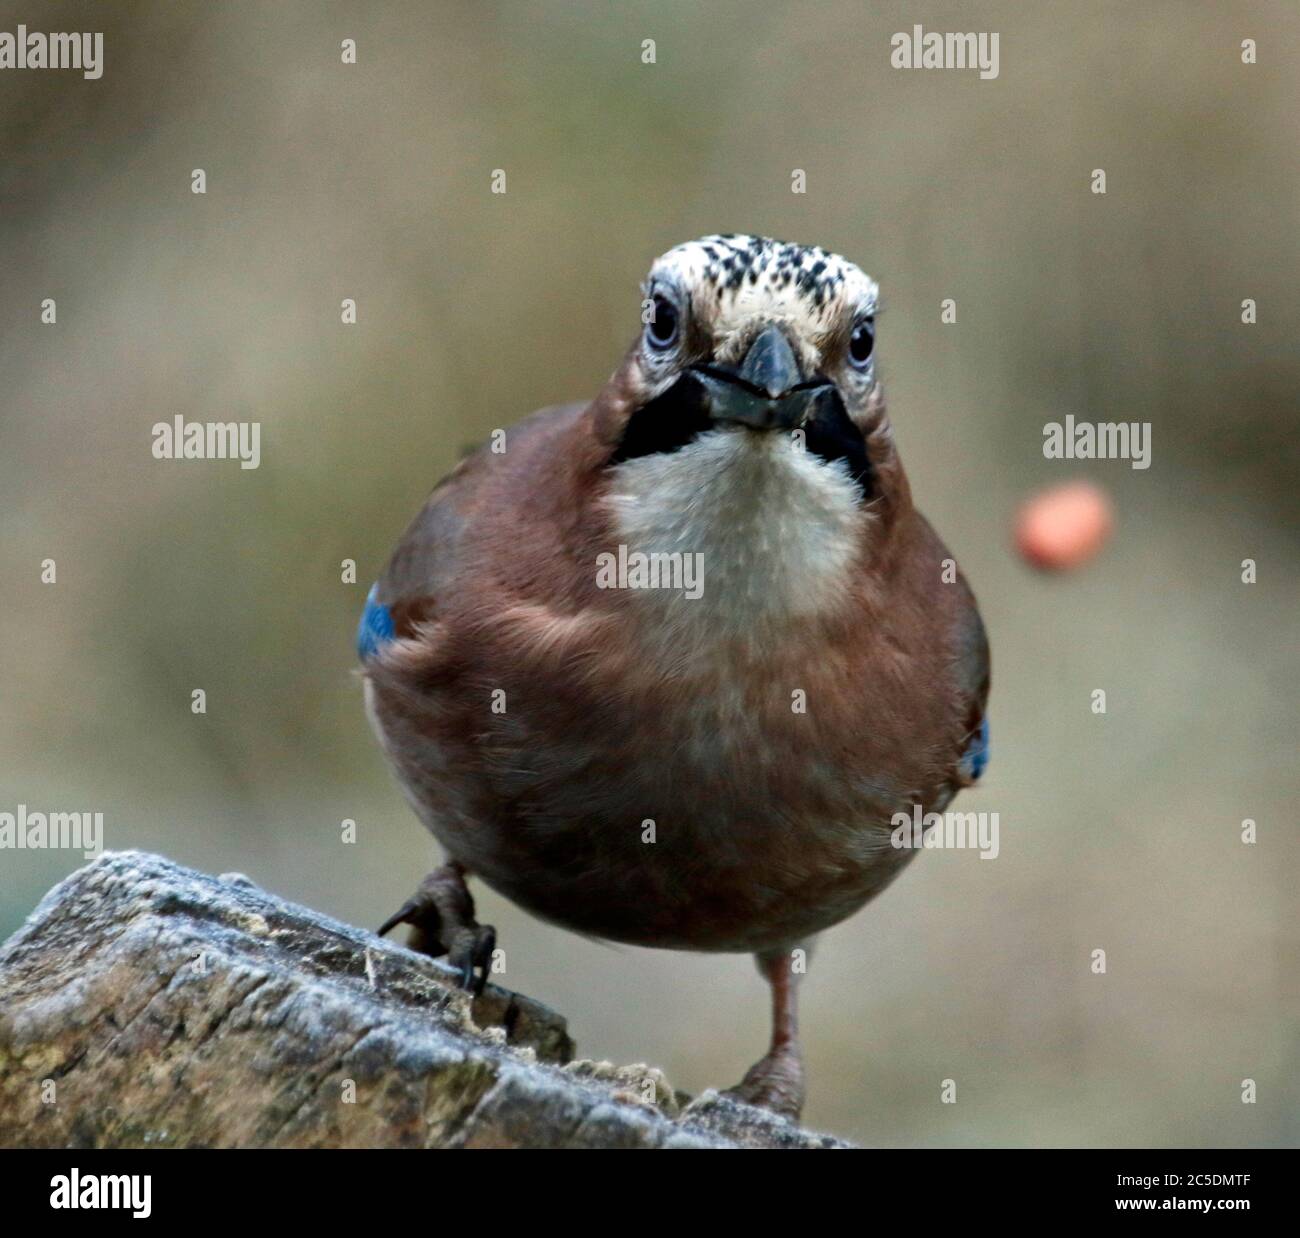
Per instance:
(376,627)
(975,760)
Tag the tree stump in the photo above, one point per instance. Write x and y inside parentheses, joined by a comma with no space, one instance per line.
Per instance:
(145,1004)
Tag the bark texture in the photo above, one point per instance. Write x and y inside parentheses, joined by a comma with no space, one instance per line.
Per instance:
(145,1004)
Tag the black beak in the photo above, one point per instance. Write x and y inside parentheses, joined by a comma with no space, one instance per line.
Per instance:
(767,392)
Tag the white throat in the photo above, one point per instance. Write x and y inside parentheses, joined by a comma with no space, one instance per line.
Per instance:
(777,531)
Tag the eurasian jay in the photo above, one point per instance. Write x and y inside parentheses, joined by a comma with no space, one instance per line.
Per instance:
(696,768)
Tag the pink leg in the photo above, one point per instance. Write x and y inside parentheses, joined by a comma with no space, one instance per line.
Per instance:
(775,1081)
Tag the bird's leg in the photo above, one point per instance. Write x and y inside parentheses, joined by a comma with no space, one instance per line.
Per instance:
(775,1081)
(441,916)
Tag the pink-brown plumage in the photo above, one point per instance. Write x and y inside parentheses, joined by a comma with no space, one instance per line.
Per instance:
(771,822)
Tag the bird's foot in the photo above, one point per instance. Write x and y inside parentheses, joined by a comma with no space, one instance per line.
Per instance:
(441,916)
(774,1082)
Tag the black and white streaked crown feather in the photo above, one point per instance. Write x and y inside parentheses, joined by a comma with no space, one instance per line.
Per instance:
(735,285)
(734,274)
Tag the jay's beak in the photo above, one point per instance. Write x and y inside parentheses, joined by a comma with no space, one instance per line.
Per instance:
(767,391)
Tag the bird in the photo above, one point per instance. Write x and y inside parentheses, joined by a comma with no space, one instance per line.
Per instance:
(709,765)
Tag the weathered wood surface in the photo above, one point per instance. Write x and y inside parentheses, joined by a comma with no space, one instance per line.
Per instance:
(145,1004)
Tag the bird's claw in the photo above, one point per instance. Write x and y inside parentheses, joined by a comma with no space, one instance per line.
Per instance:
(409,912)
(441,916)
(471,956)
(774,1083)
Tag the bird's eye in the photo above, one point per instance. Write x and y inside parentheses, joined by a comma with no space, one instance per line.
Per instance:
(661,330)
(862,341)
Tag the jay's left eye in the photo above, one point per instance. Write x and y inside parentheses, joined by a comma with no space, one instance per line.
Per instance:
(861,342)
(661,330)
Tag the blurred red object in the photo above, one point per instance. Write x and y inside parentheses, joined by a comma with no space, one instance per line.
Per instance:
(1062,528)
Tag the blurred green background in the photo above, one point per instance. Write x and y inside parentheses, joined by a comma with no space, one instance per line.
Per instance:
(327,181)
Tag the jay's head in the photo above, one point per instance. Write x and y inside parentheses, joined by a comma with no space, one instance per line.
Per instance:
(746,425)
(753,336)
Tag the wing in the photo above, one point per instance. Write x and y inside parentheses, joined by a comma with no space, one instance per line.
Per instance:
(972,673)
(405,594)
(428,557)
